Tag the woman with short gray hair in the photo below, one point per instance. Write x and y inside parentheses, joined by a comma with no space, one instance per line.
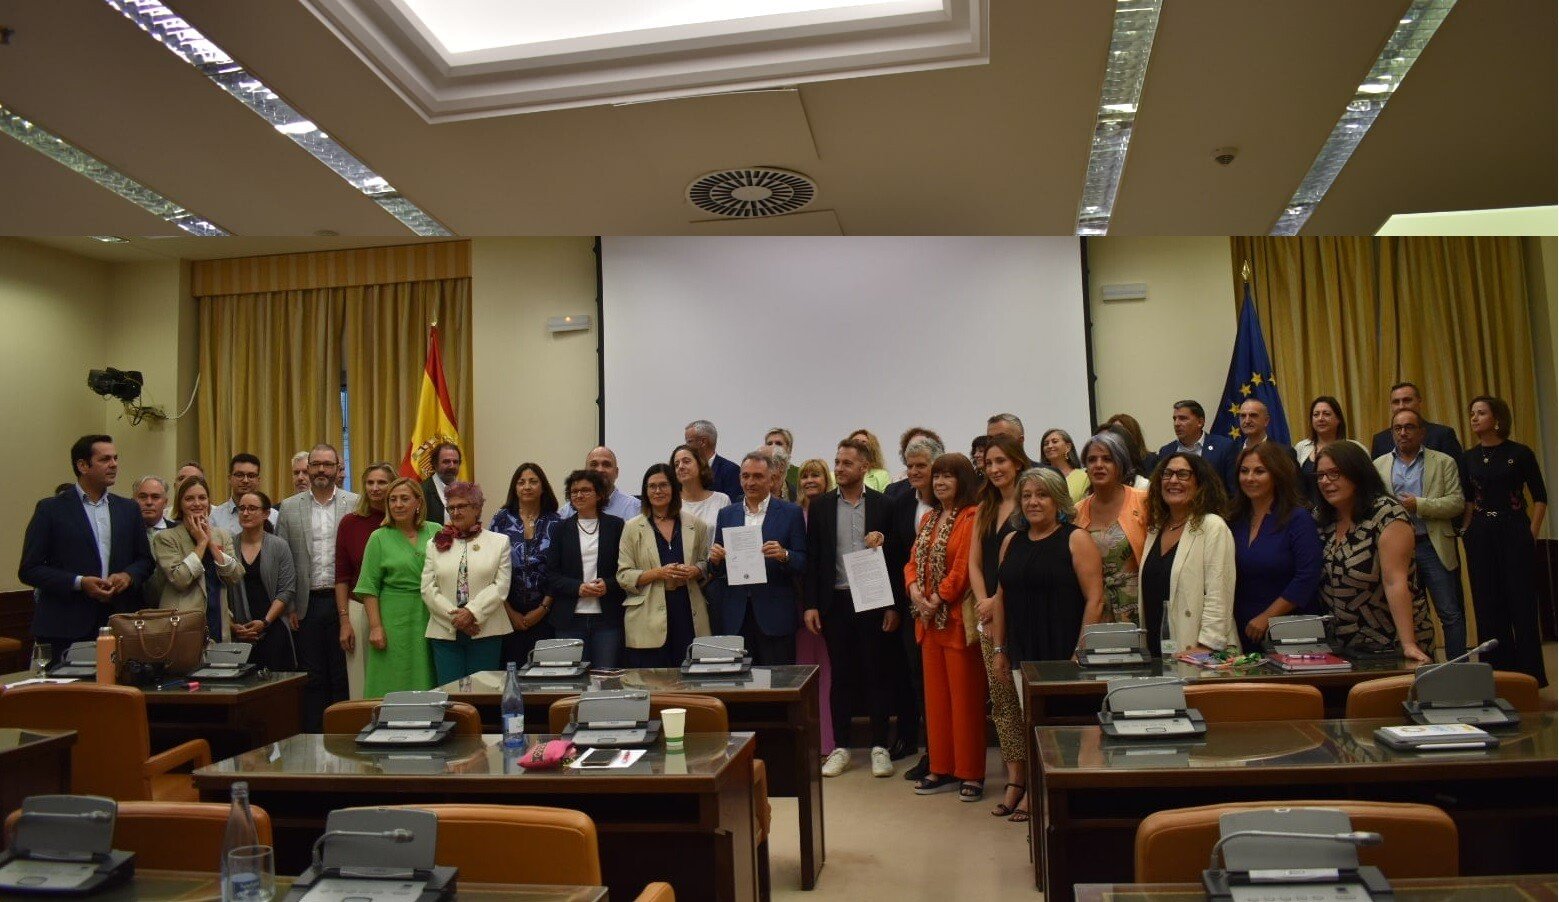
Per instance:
(1115,515)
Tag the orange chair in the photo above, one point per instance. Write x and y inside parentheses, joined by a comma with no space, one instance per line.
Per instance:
(349,718)
(10,654)
(1236,702)
(173,836)
(1384,697)
(657,892)
(112,755)
(517,844)
(1420,840)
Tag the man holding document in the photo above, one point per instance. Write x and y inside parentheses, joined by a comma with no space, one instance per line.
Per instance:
(759,549)
(853,603)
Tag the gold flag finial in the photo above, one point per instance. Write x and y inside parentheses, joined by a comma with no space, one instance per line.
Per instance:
(1245,272)
(434,323)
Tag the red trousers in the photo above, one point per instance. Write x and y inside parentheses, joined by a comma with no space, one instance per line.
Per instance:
(955,706)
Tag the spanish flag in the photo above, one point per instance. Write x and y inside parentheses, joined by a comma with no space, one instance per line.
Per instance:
(435,419)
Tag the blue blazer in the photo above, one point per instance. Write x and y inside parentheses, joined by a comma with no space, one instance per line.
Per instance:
(773,602)
(566,569)
(1217,450)
(60,546)
(728,477)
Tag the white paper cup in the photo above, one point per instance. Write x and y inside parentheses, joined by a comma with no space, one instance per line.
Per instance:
(672,723)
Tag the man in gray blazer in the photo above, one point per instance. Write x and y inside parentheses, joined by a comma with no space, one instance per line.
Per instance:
(308,524)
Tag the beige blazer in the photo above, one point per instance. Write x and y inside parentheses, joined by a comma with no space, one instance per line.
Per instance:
(644,609)
(1441,503)
(1201,586)
(184,575)
(487,577)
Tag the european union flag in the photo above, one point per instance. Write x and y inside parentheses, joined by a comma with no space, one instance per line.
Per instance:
(1250,377)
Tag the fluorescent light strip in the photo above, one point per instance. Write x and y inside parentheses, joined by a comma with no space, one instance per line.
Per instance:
(169,29)
(1412,34)
(1131,44)
(82,163)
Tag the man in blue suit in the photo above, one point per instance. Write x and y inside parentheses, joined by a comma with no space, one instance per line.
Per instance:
(701,436)
(85,551)
(763,613)
(1191,437)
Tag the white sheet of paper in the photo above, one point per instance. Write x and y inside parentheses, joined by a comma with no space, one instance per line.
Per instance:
(744,565)
(867,572)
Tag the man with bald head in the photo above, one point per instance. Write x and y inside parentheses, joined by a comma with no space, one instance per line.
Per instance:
(1254,419)
(619,504)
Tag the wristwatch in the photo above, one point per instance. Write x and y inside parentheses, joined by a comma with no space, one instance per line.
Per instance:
(998,649)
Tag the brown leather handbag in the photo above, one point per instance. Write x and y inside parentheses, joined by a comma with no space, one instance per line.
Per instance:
(161,637)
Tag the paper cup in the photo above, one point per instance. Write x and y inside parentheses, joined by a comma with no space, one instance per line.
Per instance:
(672,723)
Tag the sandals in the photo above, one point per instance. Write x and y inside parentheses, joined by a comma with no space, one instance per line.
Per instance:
(933,783)
(1019,816)
(1003,809)
(971,791)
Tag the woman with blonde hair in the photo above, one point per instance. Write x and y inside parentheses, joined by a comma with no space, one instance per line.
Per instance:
(815,479)
(200,569)
(351,539)
(877,475)
(389,584)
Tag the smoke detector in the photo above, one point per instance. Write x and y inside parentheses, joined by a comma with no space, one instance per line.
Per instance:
(751,192)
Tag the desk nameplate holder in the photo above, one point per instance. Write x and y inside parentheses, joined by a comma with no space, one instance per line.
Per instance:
(1149,708)
(64,846)
(78,662)
(1298,634)
(227,661)
(408,719)
(556,659)
(613,718)
(1459,693)
(1113,645)
(367,861)
(1296,868)
(717,656)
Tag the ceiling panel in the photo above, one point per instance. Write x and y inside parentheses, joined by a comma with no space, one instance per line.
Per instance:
(42,197)
(188,247)
(1276,85)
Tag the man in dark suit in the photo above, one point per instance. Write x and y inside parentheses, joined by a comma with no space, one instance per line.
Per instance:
(862,647)
(1437,436)
(762,613)
(85,551)
(1254,420)
(901,487)
(701,436)
(1190,422)
(446,469)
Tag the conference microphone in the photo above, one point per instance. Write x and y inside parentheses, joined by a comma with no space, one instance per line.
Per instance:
(1353,838)
(1151,683)
(398,835)
(1486,646)
(99,816)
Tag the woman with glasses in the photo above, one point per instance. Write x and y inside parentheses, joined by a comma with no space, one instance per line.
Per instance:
(657,568)
(268,588)
(397,656)
(587,600)
(351,539)
(465,582)
(1369,583)
(1187,575)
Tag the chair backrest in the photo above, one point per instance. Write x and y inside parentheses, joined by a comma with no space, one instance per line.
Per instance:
(657,892)
(705,713)
(1384,697)
(1234,702)
(173,836)
(349,718)
(113,740)
(517,844)
(1420,840)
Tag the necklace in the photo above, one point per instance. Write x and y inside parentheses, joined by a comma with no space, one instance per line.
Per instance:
(1171,527)
(588,531)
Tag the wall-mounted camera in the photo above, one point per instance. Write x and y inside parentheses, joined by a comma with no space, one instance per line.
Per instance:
(126,386)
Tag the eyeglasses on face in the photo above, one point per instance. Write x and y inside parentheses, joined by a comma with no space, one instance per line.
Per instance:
(1179,475)
(249,508)
(1328,475)
(459,506)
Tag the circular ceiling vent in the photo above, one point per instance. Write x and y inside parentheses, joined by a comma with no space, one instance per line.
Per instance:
(751,192)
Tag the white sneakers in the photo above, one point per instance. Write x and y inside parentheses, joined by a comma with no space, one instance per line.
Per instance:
(882,763)
(837,762)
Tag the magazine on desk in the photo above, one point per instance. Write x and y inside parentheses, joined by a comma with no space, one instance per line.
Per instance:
(1309,663)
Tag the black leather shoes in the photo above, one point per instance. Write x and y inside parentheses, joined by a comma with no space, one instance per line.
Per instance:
(901,749)
(919,771)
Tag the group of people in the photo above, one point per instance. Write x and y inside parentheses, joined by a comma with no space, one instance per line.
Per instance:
(997,559)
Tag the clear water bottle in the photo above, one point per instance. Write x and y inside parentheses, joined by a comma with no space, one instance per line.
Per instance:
(241,832)
(1166,645)
(512,707)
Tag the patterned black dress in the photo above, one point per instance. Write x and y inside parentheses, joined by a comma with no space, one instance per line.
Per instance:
(1353,592)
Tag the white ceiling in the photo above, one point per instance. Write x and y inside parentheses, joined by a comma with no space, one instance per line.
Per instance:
(996,149)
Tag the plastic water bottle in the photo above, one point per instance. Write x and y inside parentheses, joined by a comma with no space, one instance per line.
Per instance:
(1166,645)
(512,707)
(240,832)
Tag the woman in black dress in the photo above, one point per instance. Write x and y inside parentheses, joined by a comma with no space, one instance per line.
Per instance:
(1501,538)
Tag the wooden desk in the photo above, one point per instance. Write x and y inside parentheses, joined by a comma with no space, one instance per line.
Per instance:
(233,717)
(1094,792)
(33,762)
(778,704)
(179,886)
(686,819)
(1448,889)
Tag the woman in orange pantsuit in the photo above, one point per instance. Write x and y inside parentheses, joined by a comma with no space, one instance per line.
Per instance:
(937,576)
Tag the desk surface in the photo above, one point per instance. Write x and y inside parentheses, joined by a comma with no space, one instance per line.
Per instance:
(1282,751)
(25,741)
(774,683)
(210,692)
(179,886)
(1063,677)
(328,762)
(1449,889)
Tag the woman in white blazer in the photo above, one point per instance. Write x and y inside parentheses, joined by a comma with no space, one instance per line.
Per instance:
(1187,575)
(658,566)
(465,580)
(194,557)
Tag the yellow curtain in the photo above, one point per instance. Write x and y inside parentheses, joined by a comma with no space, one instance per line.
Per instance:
(386,347)
(270,372)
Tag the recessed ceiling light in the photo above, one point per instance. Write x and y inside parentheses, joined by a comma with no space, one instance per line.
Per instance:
(170,30)
(1412,34)
(82,163)
(1131,44)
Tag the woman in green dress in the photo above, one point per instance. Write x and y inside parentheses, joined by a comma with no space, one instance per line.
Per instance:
(390,586)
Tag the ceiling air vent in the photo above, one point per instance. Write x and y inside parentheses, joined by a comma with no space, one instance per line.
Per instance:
(751,193)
